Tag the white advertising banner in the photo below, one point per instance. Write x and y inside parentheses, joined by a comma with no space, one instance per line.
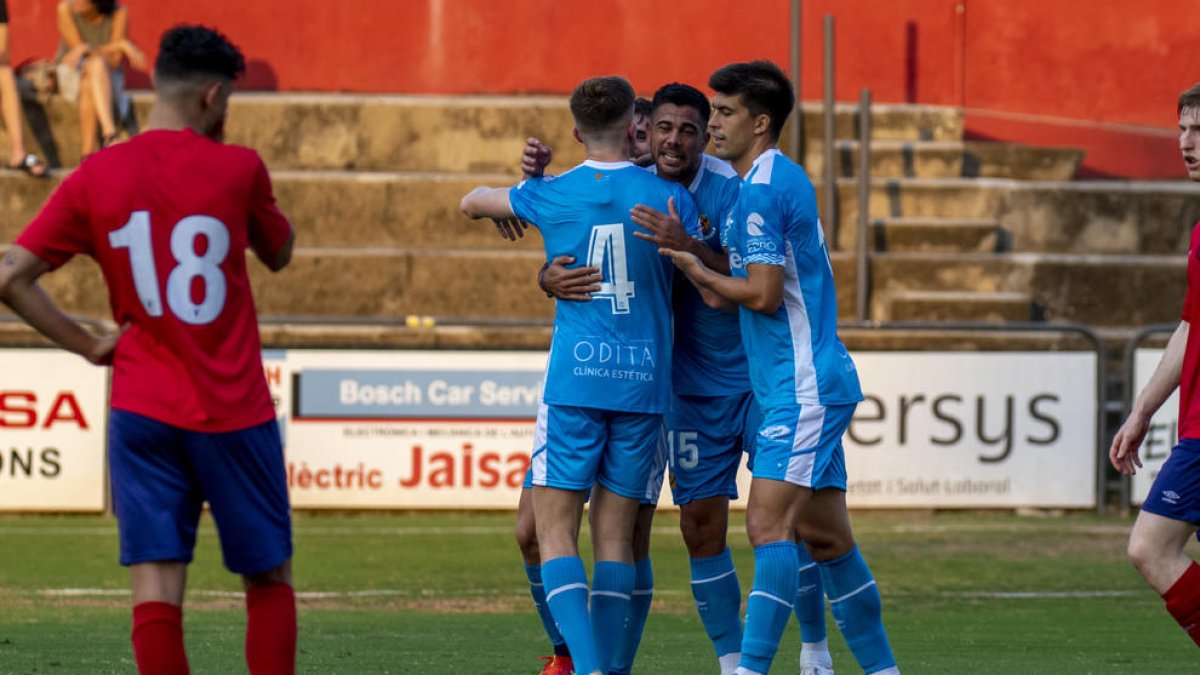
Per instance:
(433,429)
(1164,427)
(53,417)
(969,429)
(407,429)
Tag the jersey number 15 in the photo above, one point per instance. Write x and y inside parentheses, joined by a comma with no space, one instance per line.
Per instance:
(135,236)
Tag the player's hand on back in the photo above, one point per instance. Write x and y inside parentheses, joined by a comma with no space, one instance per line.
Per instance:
(665,230)
(1123,453)
(511,229)
(577,283)
(535,158)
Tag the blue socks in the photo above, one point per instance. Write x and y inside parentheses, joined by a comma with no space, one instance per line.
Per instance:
(770,603)
(635,622)
(534,574)
(566,589)
(718,599)
(857,608)
(612,588)
(810,598)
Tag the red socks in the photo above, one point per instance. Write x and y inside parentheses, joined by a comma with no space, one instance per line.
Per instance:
(1183,601)
(158,639)
(271,630)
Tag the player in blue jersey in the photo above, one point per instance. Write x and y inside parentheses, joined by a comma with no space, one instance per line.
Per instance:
(713,416)
(802,375)
(607,381)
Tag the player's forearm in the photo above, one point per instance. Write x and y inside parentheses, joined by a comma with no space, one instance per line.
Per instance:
(485,202)
(717,261)
(30,302)
(733,289)
(1166,375)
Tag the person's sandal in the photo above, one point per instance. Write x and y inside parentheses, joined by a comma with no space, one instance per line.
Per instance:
(108,140)
(32,166)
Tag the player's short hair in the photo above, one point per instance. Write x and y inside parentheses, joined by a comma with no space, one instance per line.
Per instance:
(105,7)
(1189,99)
(642,106)
(684,96)
(190,52)
(601,104)
(763,87)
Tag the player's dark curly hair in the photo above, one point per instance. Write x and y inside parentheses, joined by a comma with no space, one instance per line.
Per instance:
(190,51)
(684,96)
(105,7)
(599,103)
(763,87)
(642,106)
(1189,99)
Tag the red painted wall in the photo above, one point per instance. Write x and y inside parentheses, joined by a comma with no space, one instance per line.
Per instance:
(1064,72)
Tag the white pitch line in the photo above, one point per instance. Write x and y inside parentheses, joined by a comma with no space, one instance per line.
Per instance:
(305,595)
(1034,595)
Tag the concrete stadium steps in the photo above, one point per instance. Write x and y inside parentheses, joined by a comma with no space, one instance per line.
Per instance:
(406,209)
(996,306)
(1101,290)
(440,133)
(946,159)
(1016,160)
(944,235)
(1111,217)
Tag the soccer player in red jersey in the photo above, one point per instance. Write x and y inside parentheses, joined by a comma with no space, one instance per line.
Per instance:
(1171,512)
(168,216)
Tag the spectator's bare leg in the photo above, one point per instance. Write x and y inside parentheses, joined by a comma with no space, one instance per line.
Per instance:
(97,85)
(87,118)
(10,109)
(10,103)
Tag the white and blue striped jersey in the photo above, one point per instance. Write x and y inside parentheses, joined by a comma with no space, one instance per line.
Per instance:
(614,352)
(709,359)
(794,352)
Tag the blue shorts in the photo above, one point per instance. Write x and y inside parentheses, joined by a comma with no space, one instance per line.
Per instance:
(575,448)
(706,436)
(802,445)
(1175,493)
(162,475)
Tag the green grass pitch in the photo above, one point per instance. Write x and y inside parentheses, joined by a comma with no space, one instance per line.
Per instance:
(444,593)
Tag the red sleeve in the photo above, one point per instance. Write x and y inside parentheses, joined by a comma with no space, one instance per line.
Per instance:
(1191,303)
(269,229)
(60,230)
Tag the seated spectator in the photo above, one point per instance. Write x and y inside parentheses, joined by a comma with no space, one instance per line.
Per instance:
(92,47)
(10,109)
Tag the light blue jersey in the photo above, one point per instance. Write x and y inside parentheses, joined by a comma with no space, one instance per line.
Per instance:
(794,352)
(613,353)
(709,359)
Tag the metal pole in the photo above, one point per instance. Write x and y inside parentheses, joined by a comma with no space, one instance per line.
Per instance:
(829,210)
(797,144)
(862,280)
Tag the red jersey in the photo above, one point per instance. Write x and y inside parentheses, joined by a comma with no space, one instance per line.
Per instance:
(169,216)
(1189,405)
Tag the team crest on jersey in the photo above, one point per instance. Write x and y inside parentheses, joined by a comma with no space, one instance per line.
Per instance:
(754,223)
(705,226)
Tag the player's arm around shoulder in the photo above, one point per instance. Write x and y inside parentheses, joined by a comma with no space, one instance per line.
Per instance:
(487,202)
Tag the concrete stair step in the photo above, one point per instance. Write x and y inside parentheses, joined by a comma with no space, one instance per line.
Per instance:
(948,159)
(1108,217)
(499,286)
(409,208)
(435,133)
(997,306)
(943,235)
(1024,162)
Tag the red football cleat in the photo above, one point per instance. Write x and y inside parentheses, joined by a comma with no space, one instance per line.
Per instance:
(556,665)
